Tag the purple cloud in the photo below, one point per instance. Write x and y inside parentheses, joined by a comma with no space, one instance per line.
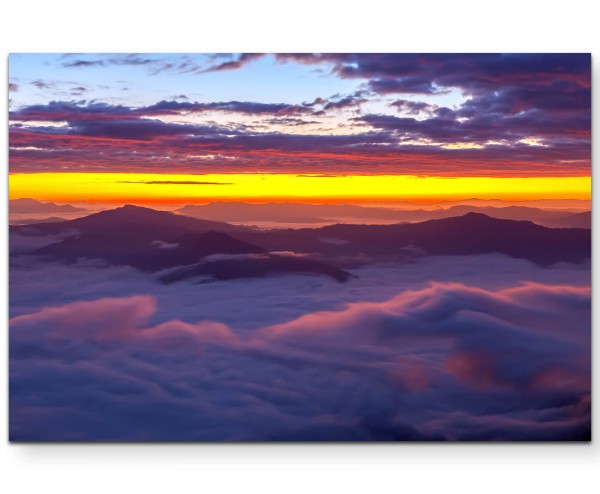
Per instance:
(448,362)
(525,113)
(242,60)
(347,102)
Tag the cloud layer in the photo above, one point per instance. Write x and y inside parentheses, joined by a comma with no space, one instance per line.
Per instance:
(519,114)
(447,362)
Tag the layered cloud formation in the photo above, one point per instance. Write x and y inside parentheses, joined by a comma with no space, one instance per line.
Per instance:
(447,362)
(437,114)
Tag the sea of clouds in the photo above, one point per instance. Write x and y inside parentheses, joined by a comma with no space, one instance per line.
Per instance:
(447,348)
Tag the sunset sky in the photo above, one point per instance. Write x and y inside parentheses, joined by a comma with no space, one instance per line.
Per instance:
(299,247)
(162,128)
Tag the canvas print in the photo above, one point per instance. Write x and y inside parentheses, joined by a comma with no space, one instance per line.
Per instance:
(299,247)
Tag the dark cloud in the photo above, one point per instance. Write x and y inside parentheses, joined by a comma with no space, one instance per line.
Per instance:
(412,107)
(525,114)
(296,142)
(310,58)
(84,63)
(317,175)
(406,85)
(98,144)
(499,84)
(42,84)
(78,91)
(316,101)
(157,64)
(174,182)
(338,102)
(244,107)
(242,60)
(13,87)
(130,59)
(292,121)
(472,72)
(71,110)
(479,127)
(347,102)
(136,129)
(142,144)
(87,110)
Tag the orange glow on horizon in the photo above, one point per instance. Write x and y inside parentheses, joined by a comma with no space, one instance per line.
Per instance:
(141,188)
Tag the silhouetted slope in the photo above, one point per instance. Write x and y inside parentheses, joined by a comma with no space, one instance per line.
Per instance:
(138,246)
(574,220)
(478,233)
(344,213)
(517,213)
(164,223)
(154,240)
(280,212)
(462,235)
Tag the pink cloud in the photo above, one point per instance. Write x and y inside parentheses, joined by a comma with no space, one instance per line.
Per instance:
(445,362)
(123,320)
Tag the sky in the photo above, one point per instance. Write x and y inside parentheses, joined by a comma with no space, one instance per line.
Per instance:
(412,347)
(326,127)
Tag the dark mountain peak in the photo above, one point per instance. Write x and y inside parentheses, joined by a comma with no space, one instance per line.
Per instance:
(24,200)
(131,213)
(477,216)
(133,220)
(481,219)
(124,215)
(130,209)
(472,221)
(133,207)
(469,234)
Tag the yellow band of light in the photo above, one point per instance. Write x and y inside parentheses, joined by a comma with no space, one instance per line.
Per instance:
(255,187)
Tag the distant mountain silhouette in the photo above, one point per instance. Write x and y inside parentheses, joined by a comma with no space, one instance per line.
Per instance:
(546,204)
(345,213)
(35,221)
(280,212)
(574,220)
(460,235)
(26,206)
(517,213)
(155,240)
(145,221)
(136,247)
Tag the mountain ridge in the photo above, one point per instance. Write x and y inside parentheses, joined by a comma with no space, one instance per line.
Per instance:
(153,240)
